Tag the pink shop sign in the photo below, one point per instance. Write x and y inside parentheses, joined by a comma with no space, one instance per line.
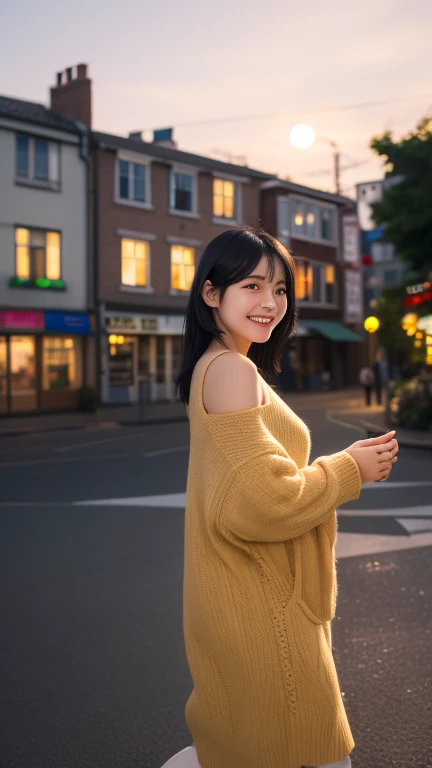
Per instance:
(27,320)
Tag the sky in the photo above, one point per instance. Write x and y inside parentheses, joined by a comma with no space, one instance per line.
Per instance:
(350,70)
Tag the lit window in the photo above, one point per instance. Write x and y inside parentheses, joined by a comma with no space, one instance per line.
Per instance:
(132,181)
(223,199)
(37,254)
(182,267)
(181,191)
(134,255)
(310,222)
(61,363)
(298,218)
(37,161)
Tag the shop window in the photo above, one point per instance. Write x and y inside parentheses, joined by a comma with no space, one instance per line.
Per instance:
(182,267)
(23,373)
(144,355)
(224,199)
(134,266)
(160,359)
(61,362)
(37,254)
(121,360)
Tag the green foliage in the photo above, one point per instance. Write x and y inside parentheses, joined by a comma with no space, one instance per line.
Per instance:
(410,403)
(391,335)
(406,209)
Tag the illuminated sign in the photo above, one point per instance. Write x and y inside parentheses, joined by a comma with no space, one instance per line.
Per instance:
(30,320)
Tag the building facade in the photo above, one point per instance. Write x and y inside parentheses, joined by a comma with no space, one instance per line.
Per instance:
(156,208)
(44,281)
(310,224)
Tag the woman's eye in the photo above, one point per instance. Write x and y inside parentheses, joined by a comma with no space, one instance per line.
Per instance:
(254,285)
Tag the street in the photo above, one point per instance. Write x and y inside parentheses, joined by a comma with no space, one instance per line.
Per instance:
(94,672)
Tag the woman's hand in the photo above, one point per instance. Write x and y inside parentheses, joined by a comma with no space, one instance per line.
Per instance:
(375,456)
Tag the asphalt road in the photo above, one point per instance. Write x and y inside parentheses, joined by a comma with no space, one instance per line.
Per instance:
(93,667)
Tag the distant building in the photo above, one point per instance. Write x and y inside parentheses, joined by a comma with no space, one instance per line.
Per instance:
(45,342)
(382,268)
(320,229)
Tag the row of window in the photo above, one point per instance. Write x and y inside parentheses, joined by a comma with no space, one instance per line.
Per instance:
(38,160)
(38,255)
(315,282)
(134,187)
(312,221)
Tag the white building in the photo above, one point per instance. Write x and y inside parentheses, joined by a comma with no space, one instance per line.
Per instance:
(44,266)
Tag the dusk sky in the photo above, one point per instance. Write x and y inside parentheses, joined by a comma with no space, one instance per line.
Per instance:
(171,63)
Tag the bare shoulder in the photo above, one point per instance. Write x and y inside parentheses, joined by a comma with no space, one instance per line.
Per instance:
(231,384)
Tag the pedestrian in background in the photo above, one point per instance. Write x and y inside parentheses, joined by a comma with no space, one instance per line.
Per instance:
(259,585)
(367,380)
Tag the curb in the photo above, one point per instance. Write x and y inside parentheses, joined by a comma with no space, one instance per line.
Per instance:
(409,442)
(92,427)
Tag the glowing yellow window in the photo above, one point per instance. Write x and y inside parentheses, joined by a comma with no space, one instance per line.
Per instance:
(330,273)
(223,198)
(22,242)
(300,282)
(134,262)
(182,267)
(52,265)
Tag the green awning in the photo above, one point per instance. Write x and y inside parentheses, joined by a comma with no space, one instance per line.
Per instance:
(331,330)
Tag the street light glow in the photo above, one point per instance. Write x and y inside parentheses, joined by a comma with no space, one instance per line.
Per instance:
(302,136)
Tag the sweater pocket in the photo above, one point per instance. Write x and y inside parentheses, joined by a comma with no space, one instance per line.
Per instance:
(317,593)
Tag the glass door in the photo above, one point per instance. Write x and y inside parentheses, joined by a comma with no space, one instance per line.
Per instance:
(23,373)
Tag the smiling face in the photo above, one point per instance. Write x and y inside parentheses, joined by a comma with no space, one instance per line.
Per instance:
(254,297)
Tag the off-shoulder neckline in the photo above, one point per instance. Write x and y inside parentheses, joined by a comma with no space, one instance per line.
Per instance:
(228,413)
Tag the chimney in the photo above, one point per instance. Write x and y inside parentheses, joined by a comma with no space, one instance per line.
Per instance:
(71,96)
(163,137)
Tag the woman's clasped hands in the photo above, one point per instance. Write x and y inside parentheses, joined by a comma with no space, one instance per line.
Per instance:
(375,456)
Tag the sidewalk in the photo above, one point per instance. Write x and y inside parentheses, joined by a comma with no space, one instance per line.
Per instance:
(349,403)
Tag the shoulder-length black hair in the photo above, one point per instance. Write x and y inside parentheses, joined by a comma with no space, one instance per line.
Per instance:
(229,258)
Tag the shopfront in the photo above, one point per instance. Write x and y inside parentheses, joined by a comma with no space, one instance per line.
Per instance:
(41,360)
(141,356)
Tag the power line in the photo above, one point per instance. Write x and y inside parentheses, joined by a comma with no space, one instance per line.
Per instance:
(321,110)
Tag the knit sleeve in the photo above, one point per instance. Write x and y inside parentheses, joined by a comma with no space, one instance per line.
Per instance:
(269,499)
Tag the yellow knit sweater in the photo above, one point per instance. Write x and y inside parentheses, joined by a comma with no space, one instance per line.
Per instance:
(260,587)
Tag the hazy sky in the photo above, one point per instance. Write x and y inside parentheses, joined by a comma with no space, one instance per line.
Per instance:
(168,63)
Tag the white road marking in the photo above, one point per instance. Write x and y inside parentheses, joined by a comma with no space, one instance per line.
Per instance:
(330,417)
(379,486)
(415,525)
(388,512)
(353,544)
(168,500)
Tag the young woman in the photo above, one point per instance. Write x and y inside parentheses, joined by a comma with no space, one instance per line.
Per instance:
(260,582)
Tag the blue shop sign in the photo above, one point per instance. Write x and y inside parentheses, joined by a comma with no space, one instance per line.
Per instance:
(67,322)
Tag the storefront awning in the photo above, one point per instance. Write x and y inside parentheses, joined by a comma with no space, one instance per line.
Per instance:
(331,330)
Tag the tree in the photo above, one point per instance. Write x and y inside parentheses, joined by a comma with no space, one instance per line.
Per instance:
(391,335)
(406,207)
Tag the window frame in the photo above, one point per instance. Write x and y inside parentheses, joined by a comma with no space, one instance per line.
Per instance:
(238,198)
(53,182)
(180,242)
(313,264)
(148,238)
(307,205)
(137,159)
(32,278)
(193,173)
